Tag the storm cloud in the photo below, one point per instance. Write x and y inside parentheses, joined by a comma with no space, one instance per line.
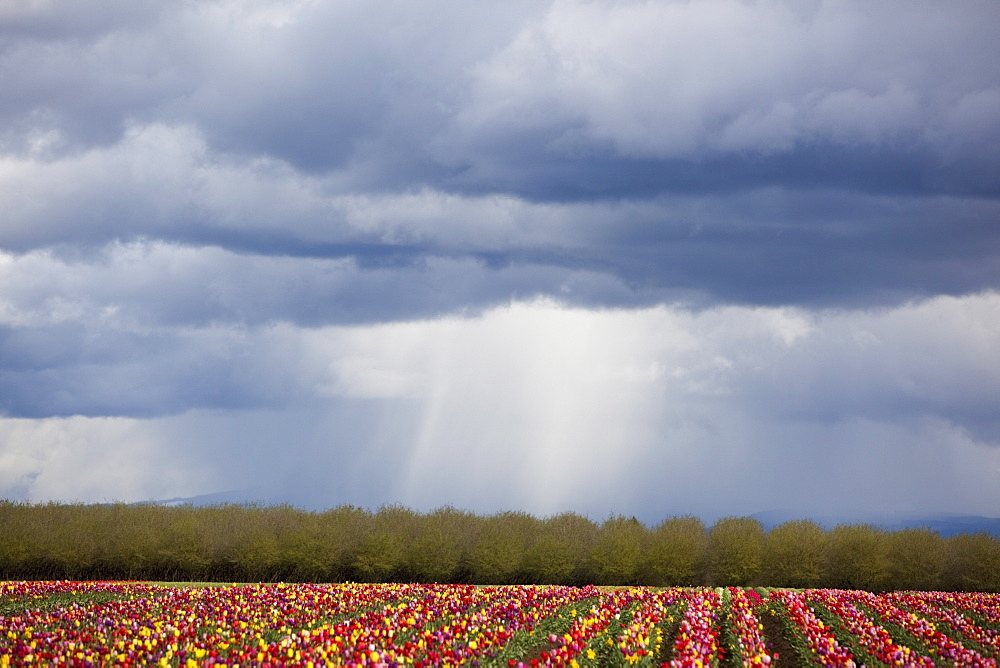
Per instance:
(541,255)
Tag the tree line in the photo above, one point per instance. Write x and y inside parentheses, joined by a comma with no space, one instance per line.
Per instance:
(251,543)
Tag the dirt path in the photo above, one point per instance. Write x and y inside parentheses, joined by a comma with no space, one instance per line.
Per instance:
(777,644)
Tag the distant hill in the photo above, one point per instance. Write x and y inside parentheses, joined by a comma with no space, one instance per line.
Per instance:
(236,496)
(946,524)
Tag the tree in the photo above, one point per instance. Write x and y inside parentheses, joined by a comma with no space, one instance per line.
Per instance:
(257,557)
(182,547)
(17,546)
(793,555)
(735,551)
(341,532)
(857,557)
(561,552)
(916,560)
(618,551)
(383,548)
(379,557)
(676,552)
(439,545)
(972,563)
(500,547)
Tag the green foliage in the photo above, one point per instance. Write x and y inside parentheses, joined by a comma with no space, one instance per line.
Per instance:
(250,543)
(383,548)
(793,555)
(11,607)
(340,532)
(857,557)
(17,544)
(617,555)
(736,551)
(972,563)
(258,554)
(380,555)
(916,560)
(676,552)
(560,552)
(500,547)
(440,541)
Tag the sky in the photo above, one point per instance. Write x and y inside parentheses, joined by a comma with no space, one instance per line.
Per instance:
(709,257)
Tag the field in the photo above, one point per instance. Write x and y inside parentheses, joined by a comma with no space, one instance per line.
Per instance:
(94,623)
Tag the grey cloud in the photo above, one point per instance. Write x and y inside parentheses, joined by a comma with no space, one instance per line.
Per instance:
(706,91)
(410,245)
(344,163)
(934,359)
(158,330)
(817,405)
(103,371)
(817,248)
(312,84)
(64,19)
(710,95)
(281,248)
(96,344)
(75,76)
(841,153)
(750,402)
(170,286)
(350,85)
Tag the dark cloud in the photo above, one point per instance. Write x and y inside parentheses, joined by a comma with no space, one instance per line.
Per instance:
(175,286)
(567,100)
(62,20)
(75,76)
(850,251)
(64,370)
(821,154)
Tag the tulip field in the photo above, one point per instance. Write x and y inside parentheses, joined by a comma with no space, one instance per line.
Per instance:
(135,623)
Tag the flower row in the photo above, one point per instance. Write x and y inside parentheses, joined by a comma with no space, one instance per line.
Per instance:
(819,638)
(746,627)
(873,637)
(449,625)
